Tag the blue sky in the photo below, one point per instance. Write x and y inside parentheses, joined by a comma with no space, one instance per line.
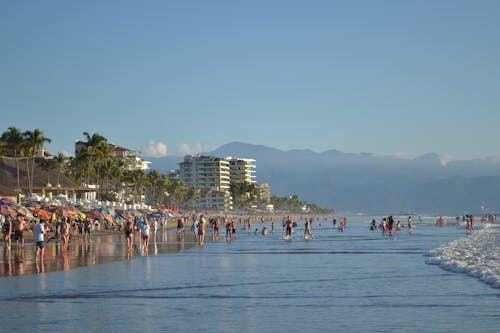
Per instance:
(385,77)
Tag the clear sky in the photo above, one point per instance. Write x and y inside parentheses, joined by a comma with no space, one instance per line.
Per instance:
(385,77)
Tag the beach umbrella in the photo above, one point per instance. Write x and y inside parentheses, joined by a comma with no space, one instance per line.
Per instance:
(19,209)
(108,211)
(123,213)
(40,212)
(94,213)
(108,217)
(7,202)
(63,211)
(155,214)
(6,211)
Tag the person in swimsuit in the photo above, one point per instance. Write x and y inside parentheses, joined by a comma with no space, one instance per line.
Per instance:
(307,229)
(7,230)
(19,227)
(145,235)
(180,224)
(288,228)
(202,227)
(129,231)
(87,227)
(65,230)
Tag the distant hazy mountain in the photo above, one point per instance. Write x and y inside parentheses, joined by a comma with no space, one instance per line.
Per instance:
(369,183)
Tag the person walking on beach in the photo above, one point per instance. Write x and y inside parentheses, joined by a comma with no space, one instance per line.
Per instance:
(228,230)
(87,227)
(307,229)
(180,224)
(145,235)
(38,237)
(194,230)
(288,228)
(7,230)
(410,225)
(155,229)
(19,228)
(202,227)
(129,231)
(65,230)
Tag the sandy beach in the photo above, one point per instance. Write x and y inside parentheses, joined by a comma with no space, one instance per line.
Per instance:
(106,246)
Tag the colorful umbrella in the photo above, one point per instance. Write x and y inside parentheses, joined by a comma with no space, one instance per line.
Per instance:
(40,212)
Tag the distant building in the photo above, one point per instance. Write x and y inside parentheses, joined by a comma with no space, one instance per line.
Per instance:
(131,158)
(210,175)
(264,194)
(213,177)
(241,170)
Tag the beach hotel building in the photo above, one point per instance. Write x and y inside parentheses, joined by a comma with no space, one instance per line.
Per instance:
(241,170)
(210,175)
(213,177)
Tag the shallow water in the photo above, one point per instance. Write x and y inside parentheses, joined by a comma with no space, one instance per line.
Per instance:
(353,281)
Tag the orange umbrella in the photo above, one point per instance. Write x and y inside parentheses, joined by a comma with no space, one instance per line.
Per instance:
(41,213)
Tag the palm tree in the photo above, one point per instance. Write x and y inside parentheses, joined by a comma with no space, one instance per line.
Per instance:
(153,181)
(60,162)
(163,184)
(193,195)
(94,139)
(136,179)
(243,194)
(34,141)
(102,154)
(179,190)
(14,139)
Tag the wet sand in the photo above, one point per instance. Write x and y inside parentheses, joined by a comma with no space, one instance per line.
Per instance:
(105,247)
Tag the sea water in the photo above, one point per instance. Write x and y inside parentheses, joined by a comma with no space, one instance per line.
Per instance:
(352,281)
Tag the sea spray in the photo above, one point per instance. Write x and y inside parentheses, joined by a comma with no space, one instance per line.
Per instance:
(477,255)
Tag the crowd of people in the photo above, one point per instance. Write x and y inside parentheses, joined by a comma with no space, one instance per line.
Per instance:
(139,230)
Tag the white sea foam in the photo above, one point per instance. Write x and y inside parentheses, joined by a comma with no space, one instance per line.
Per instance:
(477,255)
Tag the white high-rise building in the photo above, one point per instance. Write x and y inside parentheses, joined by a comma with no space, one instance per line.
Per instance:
(213,176)
(210,175)
(241,170)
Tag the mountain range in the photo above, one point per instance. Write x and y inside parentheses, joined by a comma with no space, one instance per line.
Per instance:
(368,183)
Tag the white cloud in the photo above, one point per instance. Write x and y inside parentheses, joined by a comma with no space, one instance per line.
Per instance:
(186,149)
(155,149)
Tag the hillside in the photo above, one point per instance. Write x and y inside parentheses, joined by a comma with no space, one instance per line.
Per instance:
(369,183)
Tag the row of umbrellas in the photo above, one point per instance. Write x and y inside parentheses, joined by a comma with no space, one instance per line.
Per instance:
(46,211)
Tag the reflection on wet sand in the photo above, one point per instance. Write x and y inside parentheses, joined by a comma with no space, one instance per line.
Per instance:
(20,260)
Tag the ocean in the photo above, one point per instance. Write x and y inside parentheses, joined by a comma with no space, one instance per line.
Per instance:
(438,279)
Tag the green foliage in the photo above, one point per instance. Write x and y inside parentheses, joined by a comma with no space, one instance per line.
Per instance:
(294,205)
(244,194)
(109,196)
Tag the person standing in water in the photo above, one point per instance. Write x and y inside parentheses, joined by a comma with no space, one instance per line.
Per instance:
(129,232)
(410,225)
(288,228)
(307,229)
(146,231)
(38,237)
(202,227)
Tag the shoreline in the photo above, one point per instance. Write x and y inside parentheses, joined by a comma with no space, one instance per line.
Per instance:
(104,247)
(109,245)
